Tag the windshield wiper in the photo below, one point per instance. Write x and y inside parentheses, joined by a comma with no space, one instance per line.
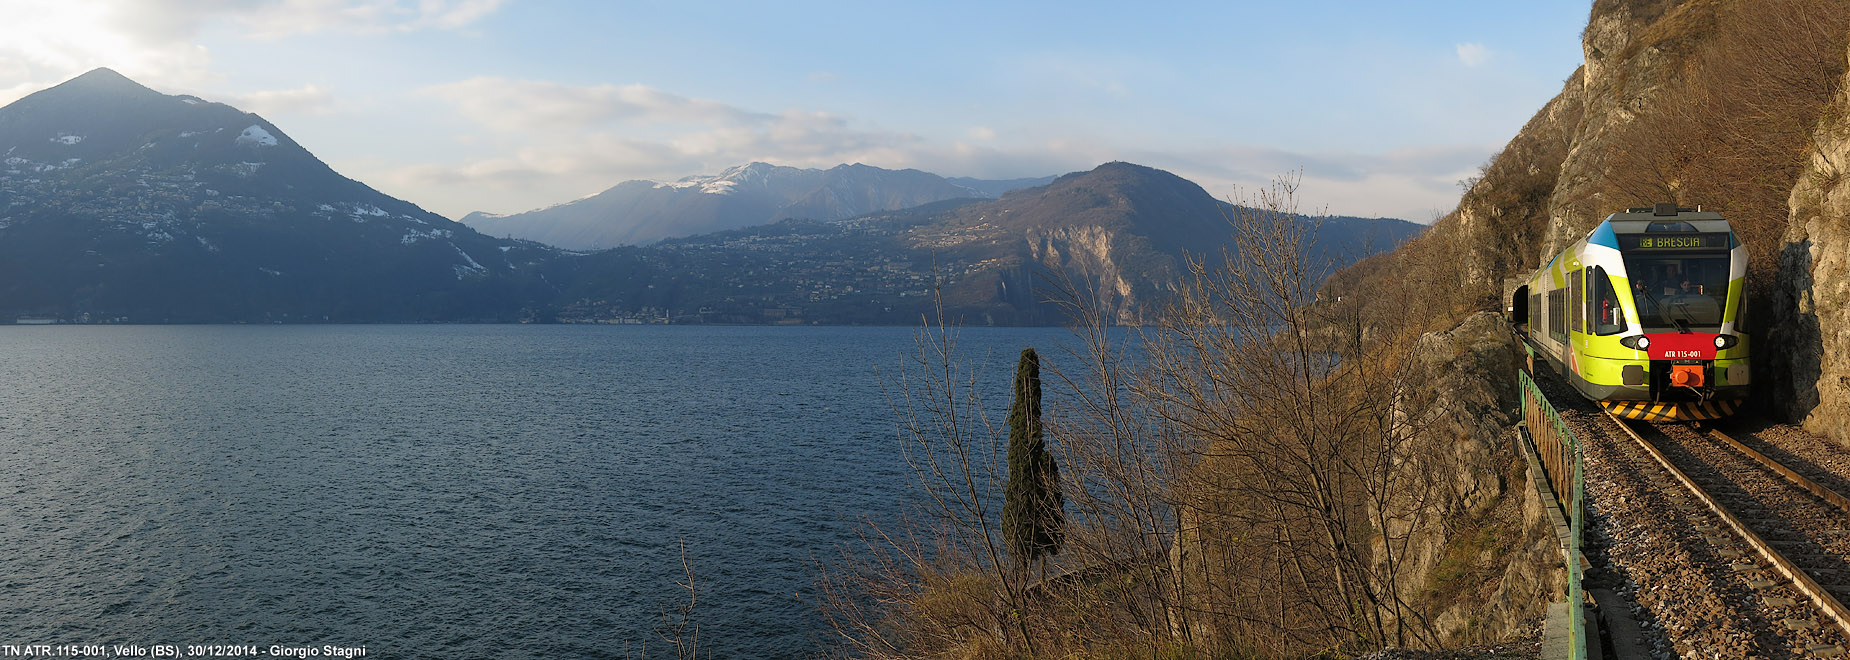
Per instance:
(1683,323)
(1663,311)
(1656,306)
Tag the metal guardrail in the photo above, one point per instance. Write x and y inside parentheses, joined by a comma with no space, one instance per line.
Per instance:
(1560,455)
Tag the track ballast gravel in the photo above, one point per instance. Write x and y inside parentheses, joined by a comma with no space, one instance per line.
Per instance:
(1697,590)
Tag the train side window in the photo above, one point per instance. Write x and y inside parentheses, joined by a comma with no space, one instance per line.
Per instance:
(1608,318)
(1573,302)
(1557,316)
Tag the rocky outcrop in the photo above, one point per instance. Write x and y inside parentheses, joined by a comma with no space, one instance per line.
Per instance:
(1088,252)
(1622,133)
(1483,560)
(1811,336)
(1470,401)
(1629,62)
(1679,100)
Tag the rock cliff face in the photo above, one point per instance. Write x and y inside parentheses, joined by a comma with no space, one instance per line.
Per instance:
(1634,53)
(1690,101)
(1675,101)
(1122,232)
(1550,184)
(1485,562)
(1812,316)
(1088,251)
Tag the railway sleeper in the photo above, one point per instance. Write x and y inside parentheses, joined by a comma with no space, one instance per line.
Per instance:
(1752,516)
(1807,629)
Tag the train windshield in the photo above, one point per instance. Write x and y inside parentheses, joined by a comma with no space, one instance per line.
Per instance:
(1682,292)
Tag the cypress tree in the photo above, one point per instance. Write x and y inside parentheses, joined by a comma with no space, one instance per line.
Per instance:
(1033,510)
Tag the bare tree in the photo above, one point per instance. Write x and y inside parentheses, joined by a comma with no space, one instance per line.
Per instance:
(1243,477)
(677,626)
(1262,444)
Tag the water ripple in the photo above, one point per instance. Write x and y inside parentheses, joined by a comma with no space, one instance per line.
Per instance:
(474,491)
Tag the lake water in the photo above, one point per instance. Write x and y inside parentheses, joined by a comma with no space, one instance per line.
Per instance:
(442,491)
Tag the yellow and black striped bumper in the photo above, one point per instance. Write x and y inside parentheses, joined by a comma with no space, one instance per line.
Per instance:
(1672,412)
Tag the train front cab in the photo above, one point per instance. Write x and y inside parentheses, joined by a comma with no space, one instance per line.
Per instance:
(1653,306)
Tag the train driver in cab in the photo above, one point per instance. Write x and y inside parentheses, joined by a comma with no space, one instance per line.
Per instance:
(1673,282)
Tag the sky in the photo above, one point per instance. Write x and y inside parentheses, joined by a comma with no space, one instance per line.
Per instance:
(503,106)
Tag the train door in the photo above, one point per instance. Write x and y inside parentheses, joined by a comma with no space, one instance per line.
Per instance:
(1604,317)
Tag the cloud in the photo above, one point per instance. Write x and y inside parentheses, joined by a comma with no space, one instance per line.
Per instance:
(281,18)
(304,100)
(1088,75)
(592,160)
(544,142)
(554,129)
(271,19)
(45,42)
(1413,184)
(1108,80)
(1473,54)
(602,158)
(519,106)
(536,175)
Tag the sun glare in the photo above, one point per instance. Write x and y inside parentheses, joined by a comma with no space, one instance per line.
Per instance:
(45,42)
(63,36)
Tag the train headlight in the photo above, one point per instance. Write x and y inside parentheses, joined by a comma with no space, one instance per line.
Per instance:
(1725,341)
(1636,342)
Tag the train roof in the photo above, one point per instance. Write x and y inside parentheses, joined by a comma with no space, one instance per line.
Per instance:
(1666,218)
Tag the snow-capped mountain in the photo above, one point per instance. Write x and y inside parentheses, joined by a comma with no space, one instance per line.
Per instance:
(636,212)
(120,201)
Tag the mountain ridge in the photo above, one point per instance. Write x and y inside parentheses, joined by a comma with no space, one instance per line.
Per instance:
(642,211)
(1121,231)
(118,201)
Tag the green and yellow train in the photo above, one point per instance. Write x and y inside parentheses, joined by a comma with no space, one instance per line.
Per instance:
(1643,315)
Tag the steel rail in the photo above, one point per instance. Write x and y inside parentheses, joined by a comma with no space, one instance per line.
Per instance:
(1800,579)
(1816,488)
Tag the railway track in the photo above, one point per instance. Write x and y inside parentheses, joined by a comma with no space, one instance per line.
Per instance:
(1772,545)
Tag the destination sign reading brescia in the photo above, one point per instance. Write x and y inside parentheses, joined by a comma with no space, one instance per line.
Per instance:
(1672,241)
